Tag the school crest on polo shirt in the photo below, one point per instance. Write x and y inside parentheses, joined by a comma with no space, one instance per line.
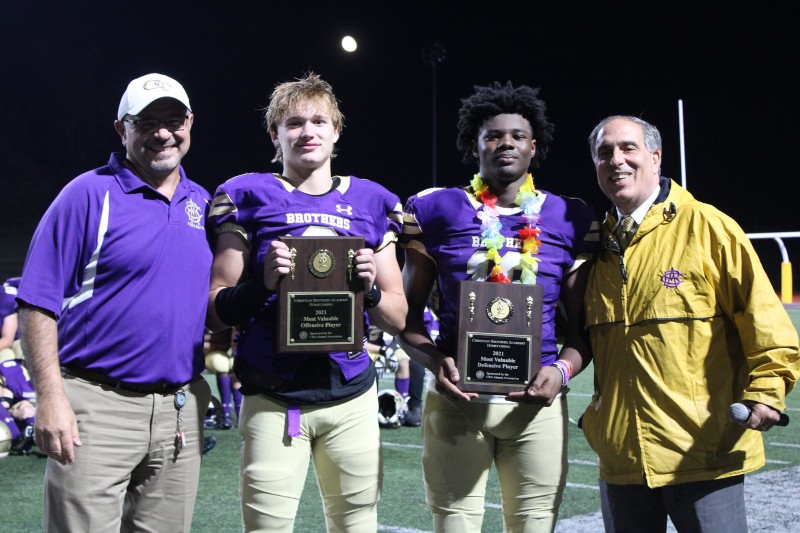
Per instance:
(195,214)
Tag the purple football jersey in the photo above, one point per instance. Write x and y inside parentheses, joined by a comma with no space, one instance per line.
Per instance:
(431,323)
(5,417)
(444,224)
(126,271)
(262,207)
(16,381)
(8,301)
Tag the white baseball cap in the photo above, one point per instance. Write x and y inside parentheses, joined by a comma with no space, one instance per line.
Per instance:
(145,90)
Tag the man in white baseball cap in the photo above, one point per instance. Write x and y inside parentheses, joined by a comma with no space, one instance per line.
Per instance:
(112,309)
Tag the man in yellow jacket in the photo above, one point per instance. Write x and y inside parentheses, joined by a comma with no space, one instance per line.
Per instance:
(683,323)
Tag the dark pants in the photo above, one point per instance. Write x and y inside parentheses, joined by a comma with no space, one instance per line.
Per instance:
(701,506)
(417,384)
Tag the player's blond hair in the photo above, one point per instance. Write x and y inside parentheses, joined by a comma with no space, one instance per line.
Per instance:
(290,96)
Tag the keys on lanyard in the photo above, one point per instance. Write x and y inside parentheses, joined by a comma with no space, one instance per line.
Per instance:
(180,430)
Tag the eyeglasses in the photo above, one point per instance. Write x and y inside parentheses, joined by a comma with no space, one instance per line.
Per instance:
(152,125)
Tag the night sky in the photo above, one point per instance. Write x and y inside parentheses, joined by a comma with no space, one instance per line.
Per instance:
(65,67)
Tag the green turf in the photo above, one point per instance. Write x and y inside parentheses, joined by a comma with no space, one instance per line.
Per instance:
(402,507)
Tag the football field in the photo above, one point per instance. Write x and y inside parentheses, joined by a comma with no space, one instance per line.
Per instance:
(773,493)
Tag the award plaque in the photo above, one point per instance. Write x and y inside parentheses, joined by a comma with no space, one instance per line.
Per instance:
(321,299)
(499,336)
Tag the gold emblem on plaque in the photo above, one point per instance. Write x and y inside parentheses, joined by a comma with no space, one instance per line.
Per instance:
(321,263)
(500,310)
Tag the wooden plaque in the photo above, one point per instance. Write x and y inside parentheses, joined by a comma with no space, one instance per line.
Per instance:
(499,336)
(321,299)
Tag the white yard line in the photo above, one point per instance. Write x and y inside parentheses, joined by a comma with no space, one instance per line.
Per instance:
(393,529)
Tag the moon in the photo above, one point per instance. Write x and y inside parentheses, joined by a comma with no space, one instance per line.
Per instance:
(349,44)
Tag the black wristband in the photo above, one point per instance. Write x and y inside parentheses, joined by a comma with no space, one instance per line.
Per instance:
(236,305)
(372,297)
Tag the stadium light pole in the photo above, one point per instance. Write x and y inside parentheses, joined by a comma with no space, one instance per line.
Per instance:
(432,56)
(683,144)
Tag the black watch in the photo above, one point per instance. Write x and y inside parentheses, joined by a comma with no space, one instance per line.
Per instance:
(372,297)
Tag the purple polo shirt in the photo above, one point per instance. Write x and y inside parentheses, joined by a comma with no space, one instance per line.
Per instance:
(126,271)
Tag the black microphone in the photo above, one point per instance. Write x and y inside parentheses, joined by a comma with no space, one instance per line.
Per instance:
(740,413)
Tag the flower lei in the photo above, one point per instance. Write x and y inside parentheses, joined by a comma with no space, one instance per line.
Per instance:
(491,237)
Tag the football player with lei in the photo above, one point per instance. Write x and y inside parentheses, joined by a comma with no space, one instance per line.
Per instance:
(499,228)
(303,405)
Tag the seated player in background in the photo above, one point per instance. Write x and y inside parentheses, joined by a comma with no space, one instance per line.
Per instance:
(219,349)
(17,395)
(9,332)
(6,435)
(18,401)
(409,378)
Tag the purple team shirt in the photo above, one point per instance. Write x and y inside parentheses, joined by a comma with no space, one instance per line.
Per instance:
(261,207)
(431,322)
(126,272)
(6,417)
(8,302)
(444,224)
(16,381)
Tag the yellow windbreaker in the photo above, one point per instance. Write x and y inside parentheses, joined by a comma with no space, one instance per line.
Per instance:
(696,326)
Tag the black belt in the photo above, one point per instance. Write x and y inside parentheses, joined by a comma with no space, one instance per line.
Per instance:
(142,388)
